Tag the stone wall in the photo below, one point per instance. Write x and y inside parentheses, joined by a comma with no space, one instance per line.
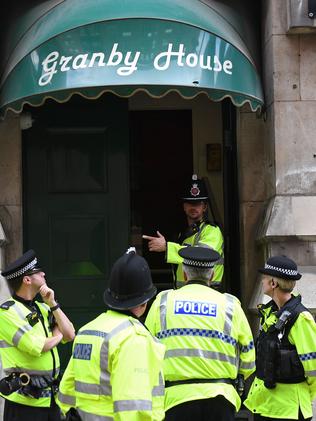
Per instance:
(11,185)
(285,213)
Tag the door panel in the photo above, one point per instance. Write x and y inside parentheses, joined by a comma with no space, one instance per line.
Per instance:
(76,198)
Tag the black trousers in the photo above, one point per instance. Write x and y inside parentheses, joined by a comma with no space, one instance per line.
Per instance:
(217,409)
(258,417)
(16,412)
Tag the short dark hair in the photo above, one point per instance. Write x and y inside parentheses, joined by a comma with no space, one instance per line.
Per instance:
(15,283)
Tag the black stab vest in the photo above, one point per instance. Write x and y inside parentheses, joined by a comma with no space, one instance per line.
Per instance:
(277,360)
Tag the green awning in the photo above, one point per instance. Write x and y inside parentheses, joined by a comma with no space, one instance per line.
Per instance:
(89,47)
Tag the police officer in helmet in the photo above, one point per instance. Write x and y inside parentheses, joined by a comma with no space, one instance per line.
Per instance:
(198,231)
(115,368)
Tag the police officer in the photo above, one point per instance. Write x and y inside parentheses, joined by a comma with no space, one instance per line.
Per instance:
(30,332)
(115,369)
(208,343)
(198,232)
(285,382)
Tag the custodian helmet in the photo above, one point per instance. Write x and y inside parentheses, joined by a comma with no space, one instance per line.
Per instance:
(195,190)
(130,282)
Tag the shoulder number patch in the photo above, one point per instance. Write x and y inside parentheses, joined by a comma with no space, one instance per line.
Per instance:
(82,351)
(7,305)
(198,308)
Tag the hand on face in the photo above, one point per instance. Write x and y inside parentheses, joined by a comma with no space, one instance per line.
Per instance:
(48,295)
(156,243)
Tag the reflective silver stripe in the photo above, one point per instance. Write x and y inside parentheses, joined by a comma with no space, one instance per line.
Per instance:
(229,314)
(132,405)
(163,310)
(160,389)
(19,311)
(89,388)
(171,353)
(67,399)
(19,333)
(47,373)
(105,386)
(310,373)
(247,366)
(124,325)
(197,236)
(22,330)
(87,416)
(4,344)
(155,339)
(45,306)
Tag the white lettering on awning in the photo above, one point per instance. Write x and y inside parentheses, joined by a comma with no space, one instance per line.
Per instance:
(127,63)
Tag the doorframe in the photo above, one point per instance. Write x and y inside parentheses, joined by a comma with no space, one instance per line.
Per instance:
(231,199)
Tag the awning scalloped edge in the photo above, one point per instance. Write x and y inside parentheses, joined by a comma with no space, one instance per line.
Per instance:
(254,104)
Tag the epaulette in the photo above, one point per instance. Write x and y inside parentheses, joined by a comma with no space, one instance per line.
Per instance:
(233,297)
(6,305)
(139,327)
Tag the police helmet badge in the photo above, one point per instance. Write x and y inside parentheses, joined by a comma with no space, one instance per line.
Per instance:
(195,190)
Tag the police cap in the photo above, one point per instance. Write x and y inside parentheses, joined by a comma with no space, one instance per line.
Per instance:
(200,257)
(195,190)
(281,267)
(130,282)
(24,265)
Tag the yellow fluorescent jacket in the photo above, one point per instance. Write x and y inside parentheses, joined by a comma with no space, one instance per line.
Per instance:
(207,336)
(208,234)
(21,349)
(285,400)
(114,372)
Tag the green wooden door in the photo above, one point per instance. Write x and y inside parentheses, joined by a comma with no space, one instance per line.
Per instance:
(76,198)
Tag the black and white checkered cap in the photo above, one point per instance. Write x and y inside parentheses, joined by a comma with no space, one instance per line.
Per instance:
(24,265)
(201,257)
(281,267)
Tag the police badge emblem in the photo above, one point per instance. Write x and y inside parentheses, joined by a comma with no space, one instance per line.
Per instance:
(195,191)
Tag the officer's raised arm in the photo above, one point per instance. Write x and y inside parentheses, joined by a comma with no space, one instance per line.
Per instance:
(53,340)
(29,338)
(156,243)
(65,326)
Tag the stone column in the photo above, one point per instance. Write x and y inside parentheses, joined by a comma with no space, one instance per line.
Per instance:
(10,201)
(4,291)
(288,225)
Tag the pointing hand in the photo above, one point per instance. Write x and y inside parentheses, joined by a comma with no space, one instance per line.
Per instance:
(156,243)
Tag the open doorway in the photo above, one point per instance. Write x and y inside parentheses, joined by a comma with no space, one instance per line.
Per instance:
(161,160)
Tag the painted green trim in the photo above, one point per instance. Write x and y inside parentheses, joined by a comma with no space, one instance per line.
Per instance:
(72,14)
(122,56)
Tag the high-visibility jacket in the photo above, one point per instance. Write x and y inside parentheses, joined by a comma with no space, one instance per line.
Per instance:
(115,372)
(21,347)
(285,399)
(208,234)
(207,336)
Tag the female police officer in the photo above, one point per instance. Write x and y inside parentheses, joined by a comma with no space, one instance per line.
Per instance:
(285,382)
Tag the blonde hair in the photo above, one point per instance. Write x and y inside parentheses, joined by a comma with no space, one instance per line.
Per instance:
(285,285)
